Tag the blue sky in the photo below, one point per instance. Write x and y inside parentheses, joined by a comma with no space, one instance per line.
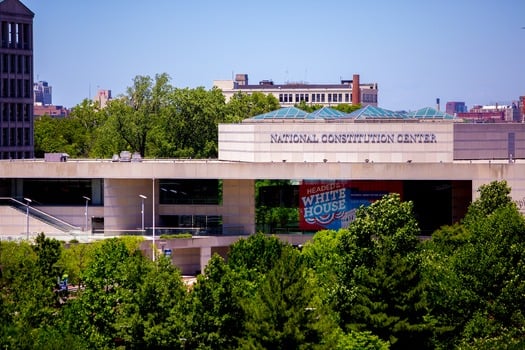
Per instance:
(417,51)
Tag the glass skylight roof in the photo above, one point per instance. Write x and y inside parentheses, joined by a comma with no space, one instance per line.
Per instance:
(365,113)
(429,113)
(283,113)
(325,113)
(371,112)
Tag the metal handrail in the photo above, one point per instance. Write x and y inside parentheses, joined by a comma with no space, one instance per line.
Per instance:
(39,214)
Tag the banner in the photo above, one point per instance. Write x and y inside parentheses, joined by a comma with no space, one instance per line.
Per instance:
(332,205)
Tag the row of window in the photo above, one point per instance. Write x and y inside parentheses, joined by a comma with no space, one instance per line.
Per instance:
(20,64)
(15,35)
(15,112)
(20,88)
(322,98)
(372,98)
(15,137)
(15,155)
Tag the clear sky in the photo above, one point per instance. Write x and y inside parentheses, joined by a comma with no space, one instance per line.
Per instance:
(416,50)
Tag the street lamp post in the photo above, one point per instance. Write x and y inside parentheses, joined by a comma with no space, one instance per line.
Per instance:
(86,212)
(142,197)
(27,216)
(153,217)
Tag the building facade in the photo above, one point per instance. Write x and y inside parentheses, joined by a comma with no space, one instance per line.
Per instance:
(493,113)
(337,165)
(102,98)
(289,94)
(43,93)
(50,110)
(16,81)
(455,107)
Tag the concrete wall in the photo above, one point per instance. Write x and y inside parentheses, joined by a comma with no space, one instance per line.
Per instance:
(336,142)
(489,141)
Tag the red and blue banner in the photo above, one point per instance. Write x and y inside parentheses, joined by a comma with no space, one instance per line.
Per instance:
(333,204)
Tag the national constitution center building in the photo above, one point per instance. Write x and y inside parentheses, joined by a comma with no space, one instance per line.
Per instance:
(337,163)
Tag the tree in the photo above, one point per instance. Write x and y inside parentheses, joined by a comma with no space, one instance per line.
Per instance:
(93,313)
(216,318)
(322,256)
(57,135)
(89,119)
(287,312)
(242,105)
(134,115)
(257,253)
(28,301)
(308,107)
(347,108)
(150,312)
(48,252)
(475,275)
(380,287)
(188,126)
(75,259)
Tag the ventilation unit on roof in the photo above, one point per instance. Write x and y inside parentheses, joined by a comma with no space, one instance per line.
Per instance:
(266,82)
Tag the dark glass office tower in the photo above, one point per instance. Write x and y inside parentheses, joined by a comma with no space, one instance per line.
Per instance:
(16,80)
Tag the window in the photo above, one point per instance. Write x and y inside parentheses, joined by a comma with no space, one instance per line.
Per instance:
(10,34)
(27,137)
(322,97)
(27,89)
(12,67)
(27,65)
(19,111)
(27,108)
(26,37)
(340,98)
(329,97)
(281,98)
(5,63)
(189,191)
(296,98)
(5,136)
(12,112)
(12,137)
(63,192)
(17,33)
(19,136)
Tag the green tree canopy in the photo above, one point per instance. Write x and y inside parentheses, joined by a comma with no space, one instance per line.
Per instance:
(380,286)
(134,115)
(243,105)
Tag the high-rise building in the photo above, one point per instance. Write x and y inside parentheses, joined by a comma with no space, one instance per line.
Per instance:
(16,80)
(43,93)
(102,98)
(456,107)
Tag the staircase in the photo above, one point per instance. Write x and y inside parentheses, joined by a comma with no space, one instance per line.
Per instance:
(21,221)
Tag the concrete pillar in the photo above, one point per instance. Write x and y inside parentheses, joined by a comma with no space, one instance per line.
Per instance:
(238,201)
(205,256)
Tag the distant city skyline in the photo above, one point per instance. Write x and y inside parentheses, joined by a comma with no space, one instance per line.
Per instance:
(416,51)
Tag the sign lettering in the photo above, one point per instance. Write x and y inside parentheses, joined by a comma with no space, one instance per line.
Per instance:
(353,138)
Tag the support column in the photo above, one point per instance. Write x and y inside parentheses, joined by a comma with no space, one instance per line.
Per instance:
(205,256)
